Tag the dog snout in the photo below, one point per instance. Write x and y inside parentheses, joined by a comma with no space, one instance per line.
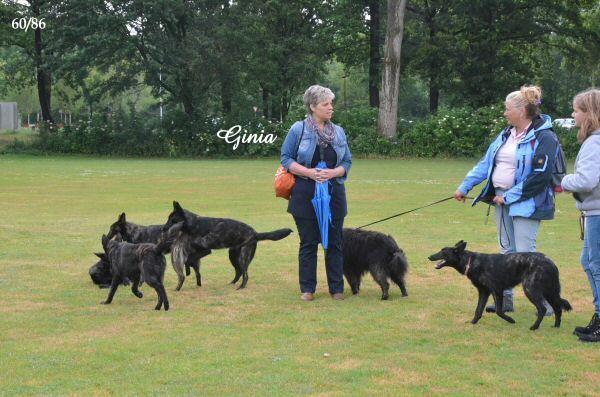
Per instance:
(434,257)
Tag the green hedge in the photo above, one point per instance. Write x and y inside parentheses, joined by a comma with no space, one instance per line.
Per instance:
(458,132)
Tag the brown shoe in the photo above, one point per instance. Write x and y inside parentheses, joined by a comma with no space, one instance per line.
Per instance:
(307,296)
(338,296)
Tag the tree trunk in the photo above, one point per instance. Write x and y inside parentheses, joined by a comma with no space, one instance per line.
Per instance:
(44,79)
(265,99)
(226,94)
(374,53)
(434,95)
(390,80)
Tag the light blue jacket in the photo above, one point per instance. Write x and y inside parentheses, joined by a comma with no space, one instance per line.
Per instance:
(307,147)
(532,195)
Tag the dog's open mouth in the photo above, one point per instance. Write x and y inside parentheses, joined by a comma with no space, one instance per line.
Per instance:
(440,264)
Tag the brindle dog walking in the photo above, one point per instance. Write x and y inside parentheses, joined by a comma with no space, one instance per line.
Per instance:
(200,234)
(493,273)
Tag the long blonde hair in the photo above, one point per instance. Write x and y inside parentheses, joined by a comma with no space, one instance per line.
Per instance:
(589,103)
(528,97)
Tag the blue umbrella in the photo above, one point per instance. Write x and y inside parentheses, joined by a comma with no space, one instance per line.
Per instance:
(321,202)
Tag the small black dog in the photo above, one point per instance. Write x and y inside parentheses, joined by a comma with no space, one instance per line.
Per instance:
(493,273)
(136,234)
(136,262)
(201,234)
(369,251)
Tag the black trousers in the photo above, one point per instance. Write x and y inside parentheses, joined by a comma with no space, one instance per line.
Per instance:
(310,237)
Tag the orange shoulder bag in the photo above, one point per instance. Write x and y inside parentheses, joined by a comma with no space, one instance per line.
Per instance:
(285,181)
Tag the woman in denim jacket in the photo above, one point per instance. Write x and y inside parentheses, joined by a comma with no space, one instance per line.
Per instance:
(585,185)
(315,136)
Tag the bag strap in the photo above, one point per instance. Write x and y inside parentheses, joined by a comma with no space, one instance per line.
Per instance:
(300,140)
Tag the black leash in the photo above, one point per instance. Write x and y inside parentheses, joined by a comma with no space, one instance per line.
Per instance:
(414,209)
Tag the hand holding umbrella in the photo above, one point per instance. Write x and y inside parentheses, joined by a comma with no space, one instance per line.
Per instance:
(320,203)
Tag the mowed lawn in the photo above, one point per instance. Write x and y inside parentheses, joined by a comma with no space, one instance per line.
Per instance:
(56,338)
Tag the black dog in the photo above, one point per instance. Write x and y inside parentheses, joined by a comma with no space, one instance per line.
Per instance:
(100,271)
(201,234)
(136,262)
(369,251)
(136,234)
(493,273)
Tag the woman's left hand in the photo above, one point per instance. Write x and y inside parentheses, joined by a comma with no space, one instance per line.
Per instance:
(326,174)
(499,200)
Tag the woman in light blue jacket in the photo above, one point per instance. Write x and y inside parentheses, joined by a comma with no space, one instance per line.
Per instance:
(309,141)
(518,168)
(585,185)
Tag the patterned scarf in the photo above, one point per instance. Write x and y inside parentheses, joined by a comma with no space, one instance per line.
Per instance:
(326,135)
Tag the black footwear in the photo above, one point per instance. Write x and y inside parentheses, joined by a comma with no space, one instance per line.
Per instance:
(507,303)
(594,335)
(586,330)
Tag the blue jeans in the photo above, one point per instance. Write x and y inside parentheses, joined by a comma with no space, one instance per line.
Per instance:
(515,234)
(590,256)
(310,237)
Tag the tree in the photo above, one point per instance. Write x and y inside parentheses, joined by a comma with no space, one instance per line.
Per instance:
(290,43)
(429,32)
(34,45)
(390,81)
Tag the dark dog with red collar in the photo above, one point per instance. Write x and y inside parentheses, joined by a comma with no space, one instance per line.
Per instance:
(493,273)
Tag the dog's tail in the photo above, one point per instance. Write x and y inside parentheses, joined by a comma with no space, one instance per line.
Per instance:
(566,305)
(275,235)
(163,246)
(399,263)
(145,249)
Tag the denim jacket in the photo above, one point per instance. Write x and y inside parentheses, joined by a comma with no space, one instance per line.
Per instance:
(307,147)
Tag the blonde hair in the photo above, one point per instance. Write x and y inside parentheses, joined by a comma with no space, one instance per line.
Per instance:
(528,97)
(589,103)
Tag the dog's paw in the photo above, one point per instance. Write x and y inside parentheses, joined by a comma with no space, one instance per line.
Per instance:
(139,294)
(533,328)
(104,303)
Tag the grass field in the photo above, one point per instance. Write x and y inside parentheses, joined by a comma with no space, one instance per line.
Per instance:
(56,339)
(22,134)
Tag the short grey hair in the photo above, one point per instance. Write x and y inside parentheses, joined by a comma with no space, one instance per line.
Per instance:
(316,94)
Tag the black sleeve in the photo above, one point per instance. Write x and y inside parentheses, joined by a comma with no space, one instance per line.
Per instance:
(542,165)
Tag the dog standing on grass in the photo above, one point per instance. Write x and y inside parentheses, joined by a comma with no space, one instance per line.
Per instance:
(136,262)
(198,235)
(136,234)
(369,251)
(493,273)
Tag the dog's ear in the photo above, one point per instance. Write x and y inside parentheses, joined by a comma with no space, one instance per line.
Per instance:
(104,242)
(122,218)
(176,206)
(460,246)
(101,255)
